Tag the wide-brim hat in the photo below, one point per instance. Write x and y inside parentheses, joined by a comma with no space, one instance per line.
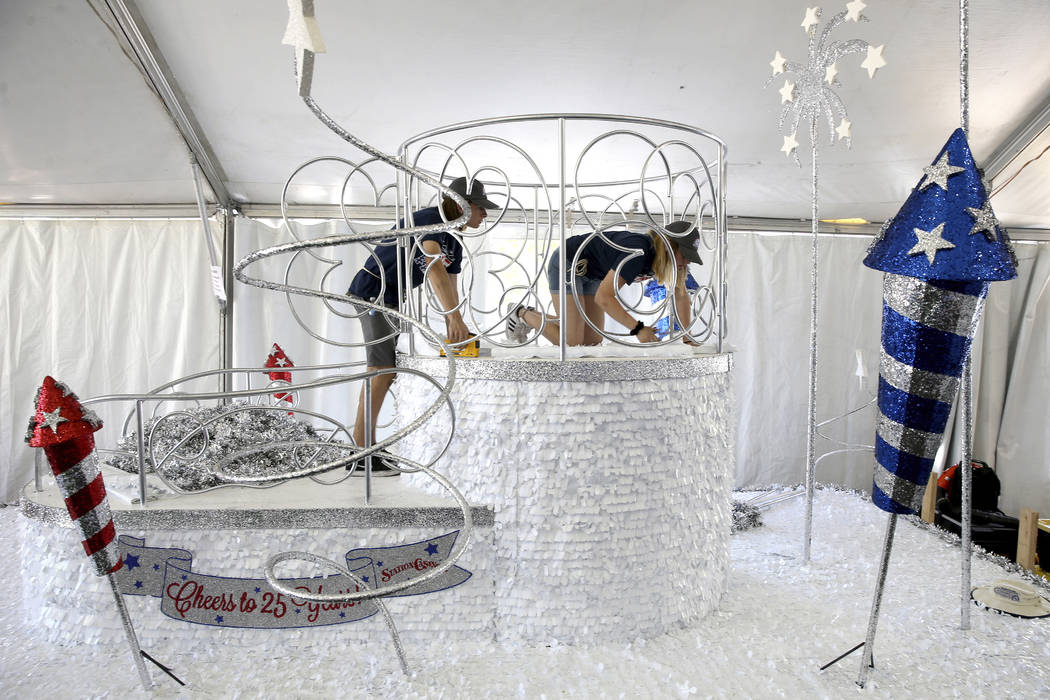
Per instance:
(689,243)
(1012,597)
(476,194)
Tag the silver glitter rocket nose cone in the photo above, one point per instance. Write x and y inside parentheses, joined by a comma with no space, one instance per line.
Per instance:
(927,328)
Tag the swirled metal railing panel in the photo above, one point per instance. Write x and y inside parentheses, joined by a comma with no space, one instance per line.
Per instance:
(614,172)
(618,172)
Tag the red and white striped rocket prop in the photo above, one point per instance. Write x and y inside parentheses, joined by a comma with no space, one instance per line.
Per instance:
(278,359)
(65,430)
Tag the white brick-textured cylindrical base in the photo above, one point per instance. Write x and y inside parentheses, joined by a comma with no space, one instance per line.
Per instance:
(612,498)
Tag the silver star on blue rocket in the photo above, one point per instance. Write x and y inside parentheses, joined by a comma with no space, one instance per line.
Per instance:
(52,419)
(930,242)
(939,173)
(984,221)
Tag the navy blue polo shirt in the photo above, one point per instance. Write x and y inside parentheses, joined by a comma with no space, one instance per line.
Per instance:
(598,257)
(366,283)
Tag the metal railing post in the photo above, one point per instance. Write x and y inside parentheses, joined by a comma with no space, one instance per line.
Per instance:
(142,453)
(561,235)
(368,440)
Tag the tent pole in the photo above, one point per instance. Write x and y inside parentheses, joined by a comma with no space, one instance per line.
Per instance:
(229,219)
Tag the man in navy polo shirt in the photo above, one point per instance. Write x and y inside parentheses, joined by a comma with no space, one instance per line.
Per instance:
(437,257)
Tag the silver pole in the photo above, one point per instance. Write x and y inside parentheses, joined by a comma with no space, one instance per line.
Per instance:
(142,454)
(811,466)
(561,233)
(880,585)
(38,470)
(403,259)
(129,632)
(723,170)
(368,440)
(966,390)
(966,457)
(964,67)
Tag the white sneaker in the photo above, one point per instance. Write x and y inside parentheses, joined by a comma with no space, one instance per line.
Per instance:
(517,329)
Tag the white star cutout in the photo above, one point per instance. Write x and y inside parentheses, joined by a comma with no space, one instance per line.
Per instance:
(930,242)
(778,64)
(811,18)
(830,72)
(787,93)
(843,128)
(874,61)
(853,10)
(303,32)
(939,173)
(790,144)
(984,220)
(281,362)
(52,419)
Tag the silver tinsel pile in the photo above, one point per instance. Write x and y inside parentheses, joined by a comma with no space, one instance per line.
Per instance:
(745,516)
(229,429)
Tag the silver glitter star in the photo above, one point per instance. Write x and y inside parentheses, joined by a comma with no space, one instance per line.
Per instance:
(930,242)
(939,173)
(281,362)
(984,220)
(52,419)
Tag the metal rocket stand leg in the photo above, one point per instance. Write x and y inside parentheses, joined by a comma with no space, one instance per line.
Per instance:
(129,631)
(966,473)
(880,584)
(368,440)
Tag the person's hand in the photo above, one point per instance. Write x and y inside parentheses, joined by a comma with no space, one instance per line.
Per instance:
(647,335)
(456,330)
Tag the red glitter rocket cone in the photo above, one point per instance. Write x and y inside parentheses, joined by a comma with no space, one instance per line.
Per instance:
(65,430)
(278,359)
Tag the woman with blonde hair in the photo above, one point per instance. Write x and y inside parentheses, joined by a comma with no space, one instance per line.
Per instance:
(642,255)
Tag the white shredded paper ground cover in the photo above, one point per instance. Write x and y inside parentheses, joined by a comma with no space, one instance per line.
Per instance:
(779,621)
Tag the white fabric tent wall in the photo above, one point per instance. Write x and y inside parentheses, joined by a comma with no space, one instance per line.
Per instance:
(122,306)
(769,303)
(106,306)
(263,317)
(1011,382)
(769,317)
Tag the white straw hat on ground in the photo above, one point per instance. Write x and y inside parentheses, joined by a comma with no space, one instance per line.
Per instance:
(1013,598)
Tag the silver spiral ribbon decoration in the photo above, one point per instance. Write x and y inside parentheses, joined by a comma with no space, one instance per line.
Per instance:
(304,34)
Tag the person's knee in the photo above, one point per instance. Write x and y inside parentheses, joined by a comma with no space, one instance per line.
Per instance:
(384,379)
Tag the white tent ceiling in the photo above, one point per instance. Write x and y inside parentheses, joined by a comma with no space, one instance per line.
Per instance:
(81,126)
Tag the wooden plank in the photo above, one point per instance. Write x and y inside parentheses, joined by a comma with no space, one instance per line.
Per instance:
(929,498)
(1027,533)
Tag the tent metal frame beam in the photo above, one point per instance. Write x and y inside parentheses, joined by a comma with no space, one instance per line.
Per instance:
(386,214)
(151,62)
(1020,139)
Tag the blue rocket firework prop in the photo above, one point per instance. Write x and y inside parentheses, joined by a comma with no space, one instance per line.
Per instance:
(939,254)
